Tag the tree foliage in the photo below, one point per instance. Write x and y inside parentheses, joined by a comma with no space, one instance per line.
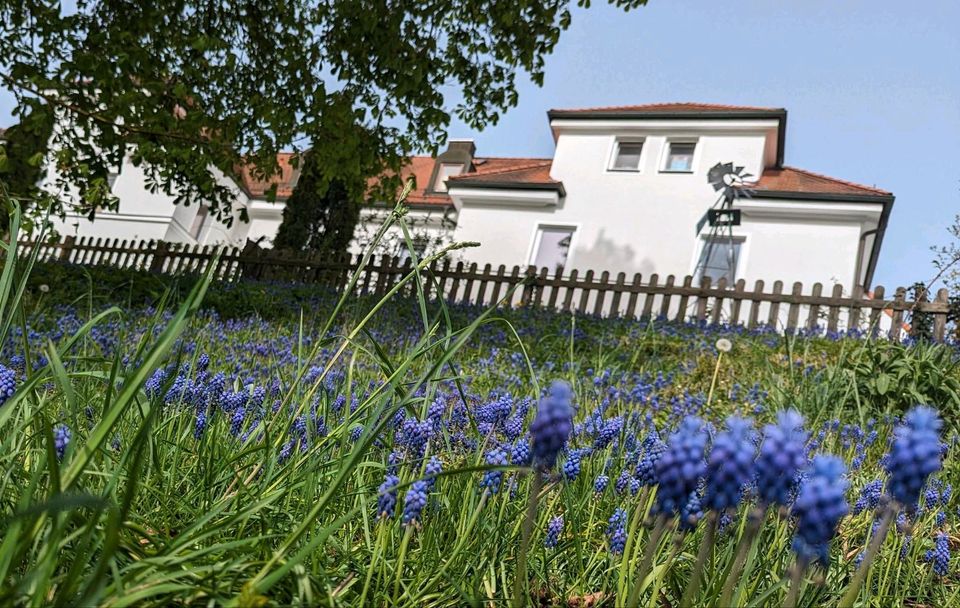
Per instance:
(187,86)
(22,148)
(320,215)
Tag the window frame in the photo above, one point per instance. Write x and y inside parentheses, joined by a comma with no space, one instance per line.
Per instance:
(537,234)
(665,156)
(615,153)
(199,221)
(738,239)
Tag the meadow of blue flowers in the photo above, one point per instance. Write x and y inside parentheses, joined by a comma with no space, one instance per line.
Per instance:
(405,452)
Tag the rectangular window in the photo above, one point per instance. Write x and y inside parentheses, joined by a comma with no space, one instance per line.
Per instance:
(198,221)
(553,247)
(680,157)
(718,260)
(446,170)
(627,157)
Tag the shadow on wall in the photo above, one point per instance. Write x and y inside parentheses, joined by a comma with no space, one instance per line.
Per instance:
(606,254)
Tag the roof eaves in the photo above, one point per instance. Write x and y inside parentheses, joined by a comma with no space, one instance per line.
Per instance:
(841,197)
(780,114)
(508,185)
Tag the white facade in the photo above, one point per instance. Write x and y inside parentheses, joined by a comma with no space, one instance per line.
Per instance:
(625,191)
(145,215)
(646,220)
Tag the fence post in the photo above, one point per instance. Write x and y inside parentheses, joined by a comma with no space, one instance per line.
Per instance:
(896,323)
(940,316)
(66,248)
(159,256)
(531,273)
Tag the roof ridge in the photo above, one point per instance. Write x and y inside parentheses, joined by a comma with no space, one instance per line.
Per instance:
(828,178)
(535,165)
(674,104)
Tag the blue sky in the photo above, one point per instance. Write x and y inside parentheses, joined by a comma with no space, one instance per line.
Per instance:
(872,89)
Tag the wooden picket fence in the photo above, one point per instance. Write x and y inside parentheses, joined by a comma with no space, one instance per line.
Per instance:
(588,293)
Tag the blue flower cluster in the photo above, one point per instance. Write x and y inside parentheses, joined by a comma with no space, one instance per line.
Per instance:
(914,455)
(617,531)
(820,505)
(61,439)
(8,383)
(730,465)
(681,466)
(414,501)
(552,425)
(783,454)
(492,478)
(554,530)
(940,555)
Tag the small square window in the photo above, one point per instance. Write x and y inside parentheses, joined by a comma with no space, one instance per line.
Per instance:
(680,157)
(446,170)
(627,157)
(553,247)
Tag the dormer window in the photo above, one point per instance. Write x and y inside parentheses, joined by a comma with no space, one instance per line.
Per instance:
(446,170)
(626,157)
(679,157)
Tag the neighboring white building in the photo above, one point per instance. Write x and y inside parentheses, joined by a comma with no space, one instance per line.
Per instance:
(626,191)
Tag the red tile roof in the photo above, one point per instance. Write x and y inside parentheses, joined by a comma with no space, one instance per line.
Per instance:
(522,171)
(668,108)
(421,168)
(285,181)
(791,179)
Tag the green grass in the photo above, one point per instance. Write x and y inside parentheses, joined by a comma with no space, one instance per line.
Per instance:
(139,511)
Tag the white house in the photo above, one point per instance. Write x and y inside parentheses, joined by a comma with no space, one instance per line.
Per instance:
(625,191)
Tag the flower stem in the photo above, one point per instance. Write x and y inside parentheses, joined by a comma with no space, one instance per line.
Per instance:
(713,381)
(402,557)
(796,581)
(743,548)
(646,564)
(853,589)
(520,581)
(706,546)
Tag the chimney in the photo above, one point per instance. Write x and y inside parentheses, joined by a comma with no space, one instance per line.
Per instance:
(461,146)
(460,153)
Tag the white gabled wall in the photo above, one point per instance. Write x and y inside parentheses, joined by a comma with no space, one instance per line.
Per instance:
(645,222)
(145,215)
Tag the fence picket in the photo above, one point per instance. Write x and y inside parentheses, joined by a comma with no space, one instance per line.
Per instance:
(591,292)
(651,295)
(665,298)
(814,313)
(635,287)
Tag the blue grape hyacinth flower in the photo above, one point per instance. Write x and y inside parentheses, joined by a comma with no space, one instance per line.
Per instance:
(617,531)
(61,439)
(914,455)
(681,466)
(820,505)
(730,465)
(492,479)
(434,468)
(783,453)
(387,496)
(940,555)
(8,383)
(554,530)
(552,425)
(414,501)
